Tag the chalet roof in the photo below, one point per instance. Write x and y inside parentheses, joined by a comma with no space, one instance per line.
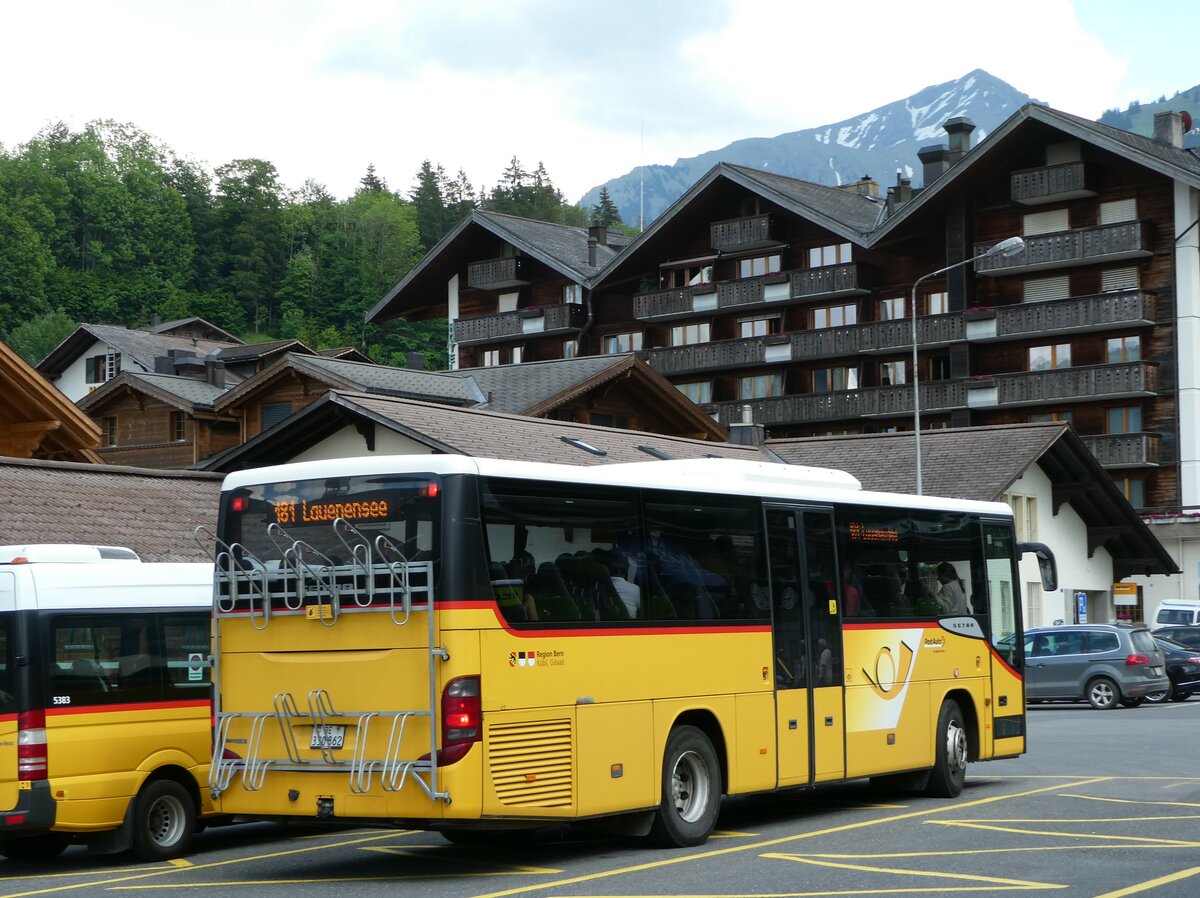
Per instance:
(982,463)
(561,247)
(36,419)
(140,346)
(186,393)
(349,353)
(462,431)
(254,351)
(170,327)
(518,388)
(151,512)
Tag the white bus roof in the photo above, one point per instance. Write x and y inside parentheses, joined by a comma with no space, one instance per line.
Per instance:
(64,553)
(719,475)
(70,585)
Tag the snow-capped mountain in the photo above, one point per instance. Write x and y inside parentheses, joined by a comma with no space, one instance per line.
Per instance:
(878,143)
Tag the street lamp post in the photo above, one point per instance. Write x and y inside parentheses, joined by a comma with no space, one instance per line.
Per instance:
(1005,248)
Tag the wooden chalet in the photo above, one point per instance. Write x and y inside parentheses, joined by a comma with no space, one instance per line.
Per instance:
(38,421)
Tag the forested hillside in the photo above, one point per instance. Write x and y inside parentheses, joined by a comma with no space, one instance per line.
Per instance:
(109,226)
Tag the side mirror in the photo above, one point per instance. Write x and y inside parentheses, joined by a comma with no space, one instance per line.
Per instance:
(1046,564)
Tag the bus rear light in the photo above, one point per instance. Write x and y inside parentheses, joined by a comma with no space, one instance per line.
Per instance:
(1137,660)
(462,712)
(32,760)
(429,491)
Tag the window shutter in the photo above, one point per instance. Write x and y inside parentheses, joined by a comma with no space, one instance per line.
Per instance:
(1043,289)
(1118,279)
(274,412)
(1048,222)
(1118,210)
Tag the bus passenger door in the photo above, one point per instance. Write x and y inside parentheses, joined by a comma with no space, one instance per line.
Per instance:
(808,646)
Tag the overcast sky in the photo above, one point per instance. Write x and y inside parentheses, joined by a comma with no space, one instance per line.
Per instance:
(591,89)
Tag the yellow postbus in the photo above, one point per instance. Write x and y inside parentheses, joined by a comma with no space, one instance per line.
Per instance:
(105,718)
(472,645)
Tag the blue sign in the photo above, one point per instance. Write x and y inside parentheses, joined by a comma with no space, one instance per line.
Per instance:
(1081,607)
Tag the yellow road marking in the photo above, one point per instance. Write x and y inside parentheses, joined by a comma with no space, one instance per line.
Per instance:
(179,862)
(1175,804)
(1075,819)
(730,834)
(783,840)
(417,850)
(967,877)
(1151,883)
(1178,843)
(966,851)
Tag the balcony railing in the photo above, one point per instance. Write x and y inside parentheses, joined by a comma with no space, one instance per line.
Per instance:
(1125,450)
(562,318)
(1081,313)
(1126,379)
(742,233)
(494,273)
(1051,183)
(1082,246)
(870,402)
(807,284)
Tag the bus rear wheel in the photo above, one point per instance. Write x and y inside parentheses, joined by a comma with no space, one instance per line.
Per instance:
(691,790)
(950,759)
(164,821)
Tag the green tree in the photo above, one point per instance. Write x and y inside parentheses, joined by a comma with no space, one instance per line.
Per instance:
(430,203)
(248,205)
(372,181)
(605,212)
(34,338)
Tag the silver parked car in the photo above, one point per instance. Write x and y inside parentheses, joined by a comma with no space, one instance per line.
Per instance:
(1097,663)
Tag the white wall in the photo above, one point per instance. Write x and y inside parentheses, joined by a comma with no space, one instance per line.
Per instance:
(73,381)
(1187,304)
(1066,535)
(1180,536)
(451,315)
(349,443)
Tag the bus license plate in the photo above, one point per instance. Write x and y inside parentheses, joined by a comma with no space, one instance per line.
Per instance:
(328,736)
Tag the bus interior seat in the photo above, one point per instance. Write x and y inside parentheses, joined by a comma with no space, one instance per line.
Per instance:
(658,605)
(591,587)
(550,594)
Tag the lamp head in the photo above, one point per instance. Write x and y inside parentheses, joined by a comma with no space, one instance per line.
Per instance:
(1010,246)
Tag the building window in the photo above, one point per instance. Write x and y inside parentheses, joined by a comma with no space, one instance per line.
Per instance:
(1123,419)
(833,316)
(1024,515)
(1045,358)
(939,367)
(836,254)
(937,303)
(274,412)
(1133,489)
(760,327)
(178,426)
(1043,417)
(573,294)
(1116,211)
(761,386)
(1046,289)
(518,355)
(689,276)
(827,380)
(570,349)
(490,358)
(1114,280)
(1124,349)
(891,309)
(700,392)
(759,266)
(892,373)
(102,368)
(598,419)
(687,334)
(617,343)
(110,431)
(1050,221)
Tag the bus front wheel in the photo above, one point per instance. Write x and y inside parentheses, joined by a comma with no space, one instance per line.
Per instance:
(950,760)
(691,790)
(164,821)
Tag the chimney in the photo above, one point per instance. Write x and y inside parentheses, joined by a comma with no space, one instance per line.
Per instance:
(934,161)
(416,361)
(900,194)
(599,233)
(864,186)
(1168,128)
(746,432)
(959,128)
(214,373)
(164,364)
(592,245)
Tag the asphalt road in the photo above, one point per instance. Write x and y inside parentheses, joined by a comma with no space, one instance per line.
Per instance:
(1105,804)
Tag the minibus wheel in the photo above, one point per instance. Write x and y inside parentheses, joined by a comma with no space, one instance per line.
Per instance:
(691,790)
(164,821)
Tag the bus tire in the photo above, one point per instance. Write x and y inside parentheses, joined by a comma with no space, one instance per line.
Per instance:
(691,790)
(949,771)
(164,821)
(32,849)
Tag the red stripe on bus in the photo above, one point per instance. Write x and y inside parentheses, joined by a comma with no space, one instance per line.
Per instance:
(889,625)
(1003,663)
(66,710)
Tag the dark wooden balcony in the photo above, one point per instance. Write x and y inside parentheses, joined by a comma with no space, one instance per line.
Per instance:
(1078,314)
(494,274)
(750,232)
(829,280)
(558,319)
(845,405)
(1125,450)
(1066,249)
(1051,184)
(1093,382)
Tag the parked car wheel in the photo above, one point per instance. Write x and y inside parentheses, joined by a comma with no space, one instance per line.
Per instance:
(1161,696)
(1103,694)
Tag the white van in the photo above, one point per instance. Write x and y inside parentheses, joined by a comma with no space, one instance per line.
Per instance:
(1178,613)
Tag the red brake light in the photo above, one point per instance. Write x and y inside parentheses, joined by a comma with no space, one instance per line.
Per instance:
(238,504)
(32,760)
(462,718)
(1193,659)
(1136,660)
(429,491)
